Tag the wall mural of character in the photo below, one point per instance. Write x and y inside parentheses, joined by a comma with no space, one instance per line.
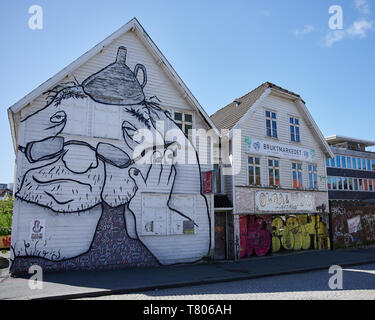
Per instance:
(97,191)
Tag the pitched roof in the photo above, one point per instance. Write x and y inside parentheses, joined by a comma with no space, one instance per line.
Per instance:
(132,25)
(227,117)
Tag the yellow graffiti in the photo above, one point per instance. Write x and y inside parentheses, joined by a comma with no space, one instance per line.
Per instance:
(299,233)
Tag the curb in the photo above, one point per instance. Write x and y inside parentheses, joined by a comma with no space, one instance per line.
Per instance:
(102,293)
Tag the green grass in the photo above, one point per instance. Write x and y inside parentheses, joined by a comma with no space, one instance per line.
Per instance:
(6,212)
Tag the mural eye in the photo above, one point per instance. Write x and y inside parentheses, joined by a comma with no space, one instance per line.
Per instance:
(58,117)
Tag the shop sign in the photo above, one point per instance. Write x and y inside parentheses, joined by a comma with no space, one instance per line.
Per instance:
(273,148)
(207,182)
(284,201)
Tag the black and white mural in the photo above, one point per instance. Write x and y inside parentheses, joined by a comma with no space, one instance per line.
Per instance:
(109,187)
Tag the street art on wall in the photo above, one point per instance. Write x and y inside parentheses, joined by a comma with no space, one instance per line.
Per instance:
(300,232)
(94,189)
(260,235)
(352,224)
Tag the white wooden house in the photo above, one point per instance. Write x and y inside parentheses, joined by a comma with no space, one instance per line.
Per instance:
(84,198)
(276,179)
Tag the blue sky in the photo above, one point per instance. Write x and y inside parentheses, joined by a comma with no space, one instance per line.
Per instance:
(221,49)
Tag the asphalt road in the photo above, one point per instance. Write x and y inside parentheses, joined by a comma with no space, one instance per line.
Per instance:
(358,283)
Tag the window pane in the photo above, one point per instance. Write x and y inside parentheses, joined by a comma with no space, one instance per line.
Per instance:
(296,121)
(292,133)
(188,118)
(277,163)
(343,160)
(297,134)
(354,163)
(363,164)
(339,183)
(251,175)
(338,161)
(345,183)
(273,115)
(187,128)
(365,185)
(359,166)
(349,162)
(250,159)
(268,114)
(178,116)
(329,186)
(257,161)
(355,184)
(334,183)
(291,120)
(257,175)
(373,165)
(350,183)
(333,162)
(368,165)
(327,162)
(270,163)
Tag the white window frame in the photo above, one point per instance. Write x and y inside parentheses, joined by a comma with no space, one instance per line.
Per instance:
(183,122)
(297,170)
(270,118)
(294,128)
(254,165)
(273,172)
(313,173)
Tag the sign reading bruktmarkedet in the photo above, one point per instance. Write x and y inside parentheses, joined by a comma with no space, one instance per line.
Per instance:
(273,148)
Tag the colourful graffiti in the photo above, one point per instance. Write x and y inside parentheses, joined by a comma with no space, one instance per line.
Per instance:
(254,237)
(5,242)
(301,232)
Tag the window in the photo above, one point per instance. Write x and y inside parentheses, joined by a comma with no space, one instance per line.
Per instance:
(294,129)
(363,164)
(343,161)
(184,121)
(345,183)
(359,166)
(329,185)
(297,175)
(350,183)
(355,184)
(254,171)
(271,126)
(370,185)
(313,177)
(360,184)
(365,185)
(273,172)
(368,165)
(339,183)
(373,165)
(327,162)
(333,162)
(354,163)
(334,183)
(338,161)
(349,162)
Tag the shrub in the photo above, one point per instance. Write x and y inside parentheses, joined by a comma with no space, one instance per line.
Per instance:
(6,213)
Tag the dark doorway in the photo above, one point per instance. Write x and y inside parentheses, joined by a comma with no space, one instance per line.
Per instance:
(220,235)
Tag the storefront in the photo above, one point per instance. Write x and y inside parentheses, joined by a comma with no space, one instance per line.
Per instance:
(281,221)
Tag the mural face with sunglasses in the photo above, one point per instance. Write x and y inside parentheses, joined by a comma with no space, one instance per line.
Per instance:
(72,179)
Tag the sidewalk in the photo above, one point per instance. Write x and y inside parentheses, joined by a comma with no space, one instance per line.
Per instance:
(84,284)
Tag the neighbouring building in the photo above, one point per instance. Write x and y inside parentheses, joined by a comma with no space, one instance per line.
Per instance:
(351,190)
(101,180)
(273,193)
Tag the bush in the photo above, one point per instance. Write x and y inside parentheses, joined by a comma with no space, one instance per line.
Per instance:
(6,213)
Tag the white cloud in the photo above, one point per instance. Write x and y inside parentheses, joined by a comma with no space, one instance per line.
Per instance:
(360,28)
(362,6)
(306,29)
(334,36)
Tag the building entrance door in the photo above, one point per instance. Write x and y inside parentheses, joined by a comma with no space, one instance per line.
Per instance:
(220,236)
